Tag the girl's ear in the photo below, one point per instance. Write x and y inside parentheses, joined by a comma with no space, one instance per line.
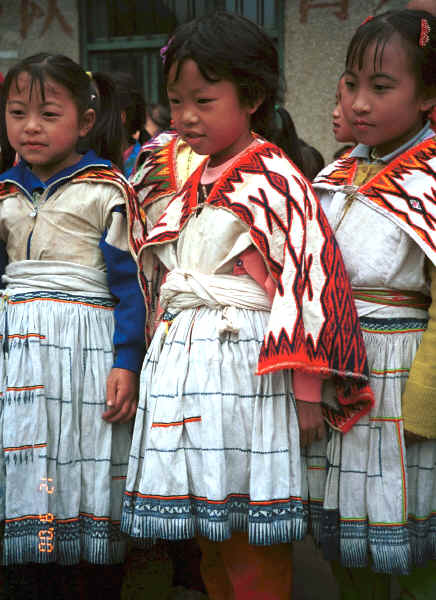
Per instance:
(255,105)
(87,122)
(429,100)
(428,105)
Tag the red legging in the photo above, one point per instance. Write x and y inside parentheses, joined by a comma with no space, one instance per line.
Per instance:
(236,570)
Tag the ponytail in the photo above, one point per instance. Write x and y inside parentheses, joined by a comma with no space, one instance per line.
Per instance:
(284,134)
(105,138)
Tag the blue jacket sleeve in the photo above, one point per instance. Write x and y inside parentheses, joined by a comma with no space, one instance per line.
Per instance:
(129,336)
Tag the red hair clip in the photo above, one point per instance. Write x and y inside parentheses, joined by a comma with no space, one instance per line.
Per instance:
(424,36)
(370,18)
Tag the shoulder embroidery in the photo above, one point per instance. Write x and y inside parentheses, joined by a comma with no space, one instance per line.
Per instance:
(406,190)
(159,170)
(7,188)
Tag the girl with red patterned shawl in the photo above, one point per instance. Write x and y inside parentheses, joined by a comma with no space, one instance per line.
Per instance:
(380,502)
(255,299)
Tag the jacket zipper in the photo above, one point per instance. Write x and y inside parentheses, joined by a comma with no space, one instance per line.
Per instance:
(36,203)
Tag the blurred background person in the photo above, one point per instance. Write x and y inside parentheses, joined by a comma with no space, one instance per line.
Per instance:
(341,127)
(157,119)
(133,116)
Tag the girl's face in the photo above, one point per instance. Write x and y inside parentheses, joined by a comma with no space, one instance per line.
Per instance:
(44,131)
(341,128)
(208,115)
(151,126)
(381,101)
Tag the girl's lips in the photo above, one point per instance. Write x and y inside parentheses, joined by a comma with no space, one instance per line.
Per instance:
(362,124)
(192,138)
(33,146)
(191,134)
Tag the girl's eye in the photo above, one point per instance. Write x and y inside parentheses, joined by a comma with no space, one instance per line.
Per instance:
(173,101)
(204,100)
(381,88)
(349,84)
(16,113)
(50,114)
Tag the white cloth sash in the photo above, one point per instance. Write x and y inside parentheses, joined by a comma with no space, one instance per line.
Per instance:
(54,276)
(189,289)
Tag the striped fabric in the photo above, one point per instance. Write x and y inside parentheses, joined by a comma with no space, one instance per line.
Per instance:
(63,468)
(393,530)
(215,448)
(393,298)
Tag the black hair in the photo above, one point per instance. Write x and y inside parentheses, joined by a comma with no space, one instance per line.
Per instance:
(131,101)
(408,24)
(160,115)
(286,137)
(86,92)
(227,46)
(313,160)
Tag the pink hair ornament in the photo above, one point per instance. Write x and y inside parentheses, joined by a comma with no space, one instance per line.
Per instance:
(424,36)
(163,51)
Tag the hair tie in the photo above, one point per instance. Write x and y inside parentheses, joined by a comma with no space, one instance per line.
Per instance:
(163,51)
(369,18)
(424,36)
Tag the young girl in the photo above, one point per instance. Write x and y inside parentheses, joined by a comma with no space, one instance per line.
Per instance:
(341,128)
(133,115)
(380,203)
(158,118)
(249,294)
(67,395)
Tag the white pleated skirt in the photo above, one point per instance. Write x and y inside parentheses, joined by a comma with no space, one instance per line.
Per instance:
(63,467)
(215,447)
(380,499)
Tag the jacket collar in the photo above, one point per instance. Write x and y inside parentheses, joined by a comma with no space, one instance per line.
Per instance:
(23,176)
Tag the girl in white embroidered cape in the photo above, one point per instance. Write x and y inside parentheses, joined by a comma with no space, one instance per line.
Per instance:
(217,442)
(71,295)
(380,497)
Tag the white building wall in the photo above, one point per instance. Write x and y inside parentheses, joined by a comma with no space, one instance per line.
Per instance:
(314,56)
(31,26)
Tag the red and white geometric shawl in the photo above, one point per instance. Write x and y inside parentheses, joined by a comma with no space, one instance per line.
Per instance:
(313,324)
(404,191)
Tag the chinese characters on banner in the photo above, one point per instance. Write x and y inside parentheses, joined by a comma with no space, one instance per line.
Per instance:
(31,11)
(340,8)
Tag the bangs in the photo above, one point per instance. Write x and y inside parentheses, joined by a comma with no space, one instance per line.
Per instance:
(190,51)
(37,76)
(376,37)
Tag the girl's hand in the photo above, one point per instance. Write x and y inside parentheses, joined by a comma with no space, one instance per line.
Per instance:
(121,396)
(312,426)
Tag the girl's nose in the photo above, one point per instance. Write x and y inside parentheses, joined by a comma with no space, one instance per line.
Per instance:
(32,123)
(360,103)
(189,116)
